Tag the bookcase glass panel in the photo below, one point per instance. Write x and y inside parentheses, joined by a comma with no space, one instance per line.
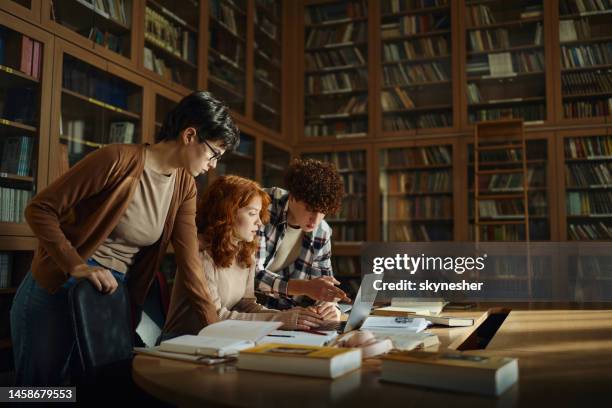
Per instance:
(590,277)
(13,267)
(585,35)
(240,162)
(24,3)
(588,188)
(505,63)
(163,106)
(267,96)
(227,52)
(347,269)
(349,224)
(502,209)
(416,193)
(336,80)
(21,61)
(104,22)
(417,89)
(97,108)
(275,161)
(171,40)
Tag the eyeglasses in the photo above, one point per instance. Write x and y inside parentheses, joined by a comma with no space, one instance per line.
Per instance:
(216,154)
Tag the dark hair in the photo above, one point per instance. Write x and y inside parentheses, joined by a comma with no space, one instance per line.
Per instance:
(209,116)
(315,183)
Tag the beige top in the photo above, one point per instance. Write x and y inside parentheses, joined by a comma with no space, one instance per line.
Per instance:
(288,250)
(232,291)
(142,223)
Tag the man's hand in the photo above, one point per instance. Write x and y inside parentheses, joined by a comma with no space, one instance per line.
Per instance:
(322,289)
(102,278)
(327,310)
(306,319)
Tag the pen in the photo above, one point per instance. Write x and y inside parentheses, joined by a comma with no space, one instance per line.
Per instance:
(279,335)
(315,332)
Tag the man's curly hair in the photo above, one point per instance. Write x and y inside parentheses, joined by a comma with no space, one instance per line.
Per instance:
(315,183)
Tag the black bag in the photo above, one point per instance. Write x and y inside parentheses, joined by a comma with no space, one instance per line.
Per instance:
(103,328)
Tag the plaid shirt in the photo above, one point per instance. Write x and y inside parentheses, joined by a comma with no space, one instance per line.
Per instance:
(313,261)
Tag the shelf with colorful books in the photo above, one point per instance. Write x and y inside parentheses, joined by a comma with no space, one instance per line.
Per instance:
(349,223)
(585,36)
(171,30)
(588,187)
(97,108)
(227,30)
(501,198)
(416,193)
(336,72)
(417,68)
(240,162)
(505,62)
(267,85)
(106,23)
(21,64)
(274,163)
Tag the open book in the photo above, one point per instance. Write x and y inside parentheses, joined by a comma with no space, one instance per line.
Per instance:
(220,339)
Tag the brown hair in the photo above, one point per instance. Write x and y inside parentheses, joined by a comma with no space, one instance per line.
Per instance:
(216,217)
(315,183)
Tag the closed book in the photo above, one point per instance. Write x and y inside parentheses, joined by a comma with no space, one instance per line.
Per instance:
(27,46)
(311,361)
(37,49)
(451,370)
(450,321)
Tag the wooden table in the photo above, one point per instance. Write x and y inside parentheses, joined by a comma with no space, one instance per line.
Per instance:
(565,359)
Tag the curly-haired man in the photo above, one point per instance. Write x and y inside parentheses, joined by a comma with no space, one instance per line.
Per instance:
(294,257)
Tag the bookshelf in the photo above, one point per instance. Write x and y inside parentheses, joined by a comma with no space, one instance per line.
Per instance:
(336,69)
(171,40)
(505,64)
(27,9)
(585,39)
(416,66)
(349,225)
(227,52)
(24,65)
(587,160)
(267,64)
(347,270)
(103,24)
(96,106)
(416,192)
(163,105)
(274,163)
(240,162)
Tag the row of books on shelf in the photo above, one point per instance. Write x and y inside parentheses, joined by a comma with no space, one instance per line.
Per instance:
(398,6)
(507,64)
(502,209)
(588,174)
(14,202)
(158,65)
(336,11)
(106,38)
(594,266)
(513,181)
(573,30)
(17,155)
(354,183)
(265,25)
(481,14)
(171,37)
(337,82)
(490,40)
(339,127)
(415,74)
(395,99)
(425,47)
(591,203)
(28,53)
(589,231)
(588,147)
(6,267)
(348,232)
(352,208)
(415,24)
(430,155)
(588,82)
(416,182)
(503,233)
(527,112)
(20,105)
(78,136)
(342,34)
(80,78)
(346,265)
(420,208)
(583,6)
(578,56)
(410,233)
(225,15)
(422,121)
(502,154)
(111,9)
(587,109)
(344,57)
(344,161)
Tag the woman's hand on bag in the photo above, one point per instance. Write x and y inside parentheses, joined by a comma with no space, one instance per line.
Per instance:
(101,278)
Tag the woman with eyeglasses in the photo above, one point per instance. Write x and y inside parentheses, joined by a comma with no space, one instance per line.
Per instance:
(110,218)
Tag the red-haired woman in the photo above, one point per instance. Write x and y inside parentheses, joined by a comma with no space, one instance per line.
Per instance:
(229,215)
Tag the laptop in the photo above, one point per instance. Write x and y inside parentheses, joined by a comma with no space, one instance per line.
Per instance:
(359,312)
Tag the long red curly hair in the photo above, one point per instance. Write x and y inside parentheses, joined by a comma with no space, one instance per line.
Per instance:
(217,214)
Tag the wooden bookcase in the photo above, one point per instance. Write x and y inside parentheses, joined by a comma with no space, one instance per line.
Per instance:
(240,162)
(26,9)
(275,160)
